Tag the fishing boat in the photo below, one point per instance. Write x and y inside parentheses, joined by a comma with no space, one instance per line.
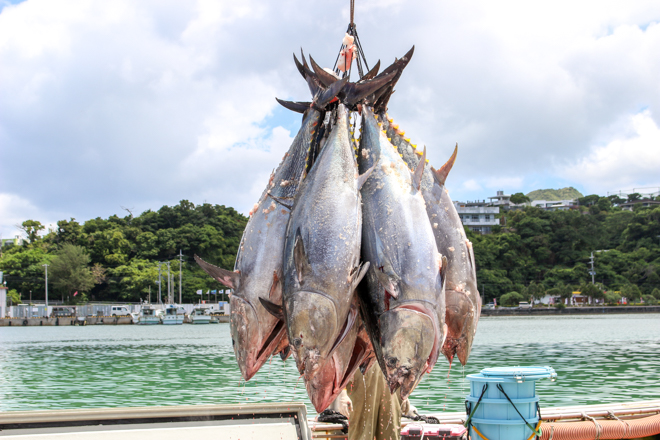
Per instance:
(173,315)
(149,315)
(200,315)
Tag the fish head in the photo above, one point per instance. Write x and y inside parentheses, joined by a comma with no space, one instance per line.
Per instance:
(312,327)
(245,336)
(461,325)
(406,341)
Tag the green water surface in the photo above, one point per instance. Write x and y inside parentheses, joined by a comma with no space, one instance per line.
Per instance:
(599,359)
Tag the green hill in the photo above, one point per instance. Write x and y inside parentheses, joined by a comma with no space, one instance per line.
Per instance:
(568,193)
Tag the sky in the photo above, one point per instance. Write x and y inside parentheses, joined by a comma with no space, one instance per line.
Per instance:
(110,107)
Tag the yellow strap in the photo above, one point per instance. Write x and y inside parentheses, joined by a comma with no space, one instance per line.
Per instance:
(483,437)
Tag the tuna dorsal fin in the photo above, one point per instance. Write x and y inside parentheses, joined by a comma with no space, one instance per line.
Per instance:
(419,171)
(364,176)
(224,276)
(272,308)
(326,78)
(441,174)
(348,324)
(298,107)
(300,260)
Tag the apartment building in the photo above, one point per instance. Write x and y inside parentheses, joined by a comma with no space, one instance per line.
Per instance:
(478,216)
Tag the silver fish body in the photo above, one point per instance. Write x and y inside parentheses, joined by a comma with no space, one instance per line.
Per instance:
(403,298)
(255,332)
(462,297)
(322,253)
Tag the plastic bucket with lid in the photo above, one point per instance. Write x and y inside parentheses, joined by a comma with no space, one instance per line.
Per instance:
(493,414)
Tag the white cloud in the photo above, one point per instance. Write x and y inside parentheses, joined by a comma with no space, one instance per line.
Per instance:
(143,104)
(14,210)
(630,159)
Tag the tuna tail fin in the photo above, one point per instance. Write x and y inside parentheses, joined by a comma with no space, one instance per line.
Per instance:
(419,171)
(356,92)
(441,174)
(223,276)
(372,73)
(272,308)
(324,97)
(308,75)
(384,95)
(326,78)
(298,107)
(300,260)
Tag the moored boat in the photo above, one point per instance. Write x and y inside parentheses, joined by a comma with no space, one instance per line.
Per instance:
(149,315)
(174,315)
(200,315)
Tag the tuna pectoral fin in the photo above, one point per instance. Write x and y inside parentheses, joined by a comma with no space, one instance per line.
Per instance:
(348,324)
(298,107)
(272,308)
(285,353)
(224,276)
(388,283)
(419,171)
(300,260)
(364,176)
(441,174)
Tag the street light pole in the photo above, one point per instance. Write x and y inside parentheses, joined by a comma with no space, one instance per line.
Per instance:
(180,263)
(160,301)
(168,283)
(46,266)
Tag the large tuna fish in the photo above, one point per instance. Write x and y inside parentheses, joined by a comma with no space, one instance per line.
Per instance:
(462,297)
(403,301)
(322,253)
(256,333)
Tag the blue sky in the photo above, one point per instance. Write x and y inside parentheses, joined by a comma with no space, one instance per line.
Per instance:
(113,105)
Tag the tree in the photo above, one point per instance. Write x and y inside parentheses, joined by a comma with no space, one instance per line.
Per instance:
(650,300)
(511,299)
(534,290)
(14,297)
(588,200)
(519,198)
(591,290)
(32,228)
(612,297)
(656,293)
(70,270)
(634,197)
(631,292)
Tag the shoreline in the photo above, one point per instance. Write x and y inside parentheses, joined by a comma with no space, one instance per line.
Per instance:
(545,311)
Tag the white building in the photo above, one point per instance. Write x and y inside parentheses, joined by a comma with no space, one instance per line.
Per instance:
(477,216)
(500,199)
(553,205)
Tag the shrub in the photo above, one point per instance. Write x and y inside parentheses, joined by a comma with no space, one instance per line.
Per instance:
(511,299)
(560,306)
(650,300)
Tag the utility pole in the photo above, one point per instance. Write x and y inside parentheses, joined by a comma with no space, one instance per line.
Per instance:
(159,283)
(46,266)
(180,263)
(169,278)
(592,272)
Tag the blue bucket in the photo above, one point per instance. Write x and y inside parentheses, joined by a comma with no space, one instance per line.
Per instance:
(494,416)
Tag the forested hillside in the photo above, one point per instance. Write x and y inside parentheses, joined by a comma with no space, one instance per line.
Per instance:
(120,255)
(551,250)
(534,251)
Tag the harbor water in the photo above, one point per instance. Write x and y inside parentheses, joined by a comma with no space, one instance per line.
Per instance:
(598,359)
